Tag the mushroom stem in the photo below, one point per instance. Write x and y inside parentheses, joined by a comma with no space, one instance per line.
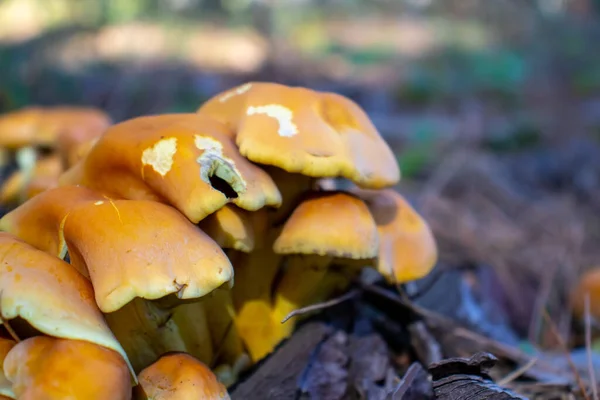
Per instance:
(26,158)
(300,279)
(229,356)
(251,295)
(147,330)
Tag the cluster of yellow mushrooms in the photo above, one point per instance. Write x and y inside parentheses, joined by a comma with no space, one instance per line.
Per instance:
(156,215)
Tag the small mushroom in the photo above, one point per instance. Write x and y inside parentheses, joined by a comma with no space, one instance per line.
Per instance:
(56,369)
(179,376)
(324,230)
(588,285)
(185,160)
(29,131)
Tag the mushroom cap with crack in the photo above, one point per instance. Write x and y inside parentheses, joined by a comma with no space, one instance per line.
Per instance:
(135,248)
(50,295)
(408,250)
(318,134)
(5,385)
(588,285)
(56,369)
(179,376)
(330,224)
(185,160)
(40,220)
(44,176)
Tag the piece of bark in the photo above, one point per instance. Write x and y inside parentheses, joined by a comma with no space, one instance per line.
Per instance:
(369,366)
(327,375)
(277,378)
(468,379)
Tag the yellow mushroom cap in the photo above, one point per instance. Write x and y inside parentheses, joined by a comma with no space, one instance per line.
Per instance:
(179,376)
(50,295)
(318,134)
(333,224)
(231,227)
(5,385)
(589,284)
(408,250)
(56,369)
(39,221)
(142,249)
(44,176)
(176,159)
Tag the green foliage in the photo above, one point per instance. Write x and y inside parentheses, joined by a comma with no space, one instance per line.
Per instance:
(451,74)
(521,136)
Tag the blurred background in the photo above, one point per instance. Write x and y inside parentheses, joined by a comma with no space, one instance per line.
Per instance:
(492,107)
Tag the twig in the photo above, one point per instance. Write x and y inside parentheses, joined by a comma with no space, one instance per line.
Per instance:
(588,346)
(517,373)
(554,331)
(320,306)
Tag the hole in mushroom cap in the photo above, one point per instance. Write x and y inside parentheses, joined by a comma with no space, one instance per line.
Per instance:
(218,170)
(222,186)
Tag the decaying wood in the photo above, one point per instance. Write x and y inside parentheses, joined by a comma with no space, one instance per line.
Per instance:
(277,378)
(468,379)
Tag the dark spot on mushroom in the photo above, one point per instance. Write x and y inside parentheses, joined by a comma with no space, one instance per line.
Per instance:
(222,186)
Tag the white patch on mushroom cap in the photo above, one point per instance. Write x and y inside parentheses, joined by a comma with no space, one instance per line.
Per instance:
(160,156)
(99,203)
(282,114)
(235,92)
(214,163)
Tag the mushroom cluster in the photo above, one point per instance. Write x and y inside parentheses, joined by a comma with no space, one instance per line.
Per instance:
(160,213)
(44,141)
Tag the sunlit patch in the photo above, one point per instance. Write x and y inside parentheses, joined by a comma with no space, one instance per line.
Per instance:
(282,114)
(235,92)
(160,156)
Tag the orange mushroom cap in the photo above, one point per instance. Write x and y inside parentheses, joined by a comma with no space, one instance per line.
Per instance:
(408,250)
(6,388)
(56,369)
(318,134)
(142,249)
(333,224)
(50,295)
(588,285)
(179,376)
(179,159)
